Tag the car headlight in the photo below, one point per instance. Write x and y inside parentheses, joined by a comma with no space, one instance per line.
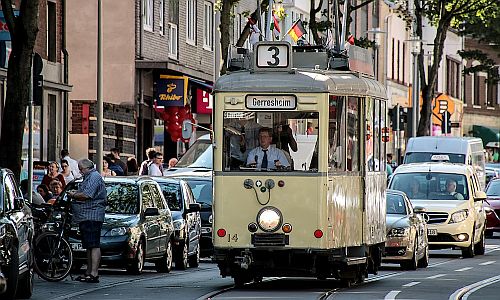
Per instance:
(210,219)
(118,231)
(459,216)
(399,232)
(179,224)
(269,219)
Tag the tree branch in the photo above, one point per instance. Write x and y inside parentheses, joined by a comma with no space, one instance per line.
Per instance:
(320,4)
(10,18)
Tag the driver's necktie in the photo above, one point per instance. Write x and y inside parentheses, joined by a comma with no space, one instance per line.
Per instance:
(264,160)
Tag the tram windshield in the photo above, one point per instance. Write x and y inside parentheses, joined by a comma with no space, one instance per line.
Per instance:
(271,141)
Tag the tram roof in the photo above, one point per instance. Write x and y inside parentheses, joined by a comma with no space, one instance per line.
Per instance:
(342,83)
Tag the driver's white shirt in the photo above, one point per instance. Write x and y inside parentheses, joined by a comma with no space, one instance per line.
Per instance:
(273,154)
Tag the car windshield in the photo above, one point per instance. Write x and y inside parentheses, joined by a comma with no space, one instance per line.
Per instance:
(123,198)
(435,186)
(199,155)
(493,189)
(395,204)
(202,191)
(172,193)
(418,157)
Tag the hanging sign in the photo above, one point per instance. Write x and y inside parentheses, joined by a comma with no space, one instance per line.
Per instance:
(171,90)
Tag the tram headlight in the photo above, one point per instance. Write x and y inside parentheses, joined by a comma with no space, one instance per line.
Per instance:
(269,219)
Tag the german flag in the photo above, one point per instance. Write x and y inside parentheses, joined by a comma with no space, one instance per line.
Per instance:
(296,31)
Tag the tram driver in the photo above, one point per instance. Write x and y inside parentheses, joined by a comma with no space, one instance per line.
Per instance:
(266,156)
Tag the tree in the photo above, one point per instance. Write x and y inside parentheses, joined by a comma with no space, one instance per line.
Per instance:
(23,31)
(226,8)
(443,15)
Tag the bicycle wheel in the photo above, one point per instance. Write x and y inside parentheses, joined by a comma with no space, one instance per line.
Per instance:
(52,263)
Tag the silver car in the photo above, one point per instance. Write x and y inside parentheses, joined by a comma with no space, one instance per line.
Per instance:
(407,242)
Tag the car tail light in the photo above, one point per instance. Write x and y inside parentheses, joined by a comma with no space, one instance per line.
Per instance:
(221,232)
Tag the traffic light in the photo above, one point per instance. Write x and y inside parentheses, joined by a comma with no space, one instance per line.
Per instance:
(398,113)
(37,80)
(446,122)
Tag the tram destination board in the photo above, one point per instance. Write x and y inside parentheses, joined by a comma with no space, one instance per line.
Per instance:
(273,56)
(277,102)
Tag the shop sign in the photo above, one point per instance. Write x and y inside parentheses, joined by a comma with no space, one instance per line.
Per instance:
(204,102)
(171,90)
(4,29)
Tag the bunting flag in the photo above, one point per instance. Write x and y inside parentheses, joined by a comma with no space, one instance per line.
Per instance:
(275,26)
(296,31)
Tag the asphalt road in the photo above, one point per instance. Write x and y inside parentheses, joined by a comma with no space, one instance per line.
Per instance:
(447,277)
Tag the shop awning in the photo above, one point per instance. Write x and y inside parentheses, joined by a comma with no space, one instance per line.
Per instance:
(487,134)
(202,83)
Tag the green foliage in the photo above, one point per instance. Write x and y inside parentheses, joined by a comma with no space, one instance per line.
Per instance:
(486,64)
(364,42)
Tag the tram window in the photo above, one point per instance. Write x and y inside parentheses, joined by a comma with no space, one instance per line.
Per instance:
(376,136)
(383,124)
(352,134)
(336,134)
(293,138)
(369,151)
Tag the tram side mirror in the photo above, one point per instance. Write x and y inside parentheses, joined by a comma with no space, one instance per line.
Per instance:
(187,129)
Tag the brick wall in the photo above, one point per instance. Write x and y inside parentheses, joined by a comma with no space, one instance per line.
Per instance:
(41,38)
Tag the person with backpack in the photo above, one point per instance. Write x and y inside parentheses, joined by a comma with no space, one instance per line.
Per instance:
(150,153)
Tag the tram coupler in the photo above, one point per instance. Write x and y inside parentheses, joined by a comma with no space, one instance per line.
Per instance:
(244,261)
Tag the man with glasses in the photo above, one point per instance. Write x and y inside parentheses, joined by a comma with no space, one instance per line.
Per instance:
(156,166)
(265,156)
(89,204)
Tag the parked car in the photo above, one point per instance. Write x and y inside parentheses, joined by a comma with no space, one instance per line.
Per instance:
(406,242)
(186,220)
(492,207)
(137,226)
(198,159)
(201,186)
(16,239)
(453,199)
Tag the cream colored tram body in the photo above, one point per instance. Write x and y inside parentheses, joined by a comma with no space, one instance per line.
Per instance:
(323,215)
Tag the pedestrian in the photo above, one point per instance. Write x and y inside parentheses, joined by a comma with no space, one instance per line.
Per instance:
(43,190)
(150,153)
(56,189)
(156,167)
(89,204)
(172,162)
(36,198)
(112,165)
(73,164)
(66,171)
(53,173)
(132,167)
(116,153)
(106,171)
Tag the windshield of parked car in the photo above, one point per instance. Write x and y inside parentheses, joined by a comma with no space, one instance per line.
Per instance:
(202,191)
(123,198)
(395,204)
(199,155)
(172,193)
(435,186)
(493,188)
(418,157)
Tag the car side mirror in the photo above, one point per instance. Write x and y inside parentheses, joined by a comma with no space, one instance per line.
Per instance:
(480,196)
(151,211)
(194,207)
(419,210)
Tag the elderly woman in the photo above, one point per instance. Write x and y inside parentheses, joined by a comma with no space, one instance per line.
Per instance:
(53,173)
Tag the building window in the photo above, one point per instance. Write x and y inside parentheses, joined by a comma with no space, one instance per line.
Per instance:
(147,14)
(173,12)
(403,64)
(477,89)
(492,96)
(392,54)
(191,22)
(364,21)
(162,17)
(398,61)
(51,31)
(208,33)
(173,41)
(375,14)
(453,77)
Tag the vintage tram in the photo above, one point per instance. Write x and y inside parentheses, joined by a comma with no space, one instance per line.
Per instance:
(313,203)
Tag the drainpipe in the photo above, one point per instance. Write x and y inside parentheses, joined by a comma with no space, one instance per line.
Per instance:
(140,103)
(65,53)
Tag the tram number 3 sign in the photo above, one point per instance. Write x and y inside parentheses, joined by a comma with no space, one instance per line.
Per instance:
(272,55)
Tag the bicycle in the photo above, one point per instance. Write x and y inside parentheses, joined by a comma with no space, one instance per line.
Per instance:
(53,253)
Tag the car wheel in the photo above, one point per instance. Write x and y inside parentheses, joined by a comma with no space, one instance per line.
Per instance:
(12,274)
(181,262)
(164,264)
(480,246)
(25,285)
(424,261)
(137,264)
(468,252)
(412,263)
(194,260)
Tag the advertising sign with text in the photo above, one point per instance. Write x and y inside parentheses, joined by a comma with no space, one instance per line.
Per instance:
(171,90)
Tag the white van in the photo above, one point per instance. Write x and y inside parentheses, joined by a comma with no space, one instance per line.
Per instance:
(464,150)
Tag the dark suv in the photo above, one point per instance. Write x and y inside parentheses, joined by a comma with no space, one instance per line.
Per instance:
(16,239)
(186,219)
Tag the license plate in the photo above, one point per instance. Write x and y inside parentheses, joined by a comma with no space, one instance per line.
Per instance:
(206,230)
(77,247)
(432,232)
